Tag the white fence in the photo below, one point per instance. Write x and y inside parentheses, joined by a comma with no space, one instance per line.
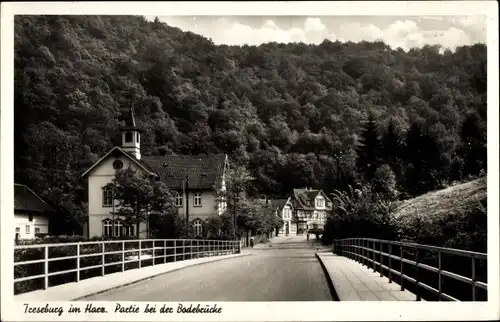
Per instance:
(72,262)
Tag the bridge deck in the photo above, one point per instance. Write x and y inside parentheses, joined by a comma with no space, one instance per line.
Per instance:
(87,287)
(355,282)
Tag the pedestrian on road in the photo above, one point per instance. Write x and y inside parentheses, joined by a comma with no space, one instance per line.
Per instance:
(308,236)
(251,241)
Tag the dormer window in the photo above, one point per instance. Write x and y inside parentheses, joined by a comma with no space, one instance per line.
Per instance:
(129,137)
(320,202)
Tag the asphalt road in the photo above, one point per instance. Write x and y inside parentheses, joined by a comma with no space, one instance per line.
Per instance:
(287,271)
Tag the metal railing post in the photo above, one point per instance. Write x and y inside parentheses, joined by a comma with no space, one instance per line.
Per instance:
(46,268)
(78,262)
(355,246)
(348,248)
(390,263)
(373,255)
(473,278)
(381,259)
(154,251)
(359,251)
(351,250)
(103,270)
(440,280)
(123,256)
(183,250)
(164,251)
(140,251)
(402,264)
(417,287)
(175,250)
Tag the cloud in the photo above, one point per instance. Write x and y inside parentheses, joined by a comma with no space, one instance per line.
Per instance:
(405,33)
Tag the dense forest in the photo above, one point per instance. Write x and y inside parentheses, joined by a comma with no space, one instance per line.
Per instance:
(324,116)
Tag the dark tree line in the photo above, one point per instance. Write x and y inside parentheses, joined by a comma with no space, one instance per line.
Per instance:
(292,114)
(417,160)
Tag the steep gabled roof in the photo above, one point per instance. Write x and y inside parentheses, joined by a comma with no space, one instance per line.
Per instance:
(304,198)
(204,171)
(116,151)
(27,200)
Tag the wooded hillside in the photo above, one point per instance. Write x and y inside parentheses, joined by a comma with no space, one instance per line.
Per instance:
(285,111)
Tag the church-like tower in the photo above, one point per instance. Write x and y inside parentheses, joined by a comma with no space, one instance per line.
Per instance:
(131,136)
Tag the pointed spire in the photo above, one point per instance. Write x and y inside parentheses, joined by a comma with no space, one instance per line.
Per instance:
(130,121)
(129,118)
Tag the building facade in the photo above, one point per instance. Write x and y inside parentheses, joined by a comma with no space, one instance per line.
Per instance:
(310,210)
(31,213)
(284,210)
(196,181)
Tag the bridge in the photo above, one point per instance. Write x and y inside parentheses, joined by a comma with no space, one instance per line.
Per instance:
(286,269)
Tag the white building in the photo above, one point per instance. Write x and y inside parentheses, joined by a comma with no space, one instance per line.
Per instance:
(304,210)
(31,213)
(310,209)
(196,180)
(284,209)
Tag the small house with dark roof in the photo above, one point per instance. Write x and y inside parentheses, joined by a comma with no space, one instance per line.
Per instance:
(195,179)
(310,210)
(31,213)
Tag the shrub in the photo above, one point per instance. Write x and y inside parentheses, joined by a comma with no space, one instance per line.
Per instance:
(359,214)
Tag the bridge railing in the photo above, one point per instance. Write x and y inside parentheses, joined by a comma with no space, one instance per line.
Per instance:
(389,258)
(43,265)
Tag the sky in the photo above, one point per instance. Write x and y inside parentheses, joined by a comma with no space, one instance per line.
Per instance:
(405,32)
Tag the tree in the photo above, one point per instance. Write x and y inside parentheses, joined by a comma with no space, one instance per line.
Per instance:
(238,181)
(473,149)
(423,160)
(369,150)
(392,148)
(384,182)
(264,103)
(140,195)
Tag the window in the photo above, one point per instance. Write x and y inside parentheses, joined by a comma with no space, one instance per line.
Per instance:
(18,230)
(118,164)
(197,199)
(28,228)
(137,137)
(178,200)
(118,228)
(108,228)
(197,225)
(129,230)
(37,231)
(30,218)
(107,197)
(320,202)
(129,137)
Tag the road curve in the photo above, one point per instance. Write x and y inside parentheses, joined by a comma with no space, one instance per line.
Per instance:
(287,271)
